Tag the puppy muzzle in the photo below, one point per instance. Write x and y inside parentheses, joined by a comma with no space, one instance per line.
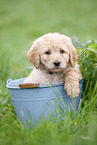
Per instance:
(56,63)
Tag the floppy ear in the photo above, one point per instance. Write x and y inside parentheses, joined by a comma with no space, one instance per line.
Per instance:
(73,54)
(33,56)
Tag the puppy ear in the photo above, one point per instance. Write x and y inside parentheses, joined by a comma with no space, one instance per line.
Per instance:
(73,54)
(33,56)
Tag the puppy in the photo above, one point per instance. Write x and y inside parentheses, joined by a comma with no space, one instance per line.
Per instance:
(55,60)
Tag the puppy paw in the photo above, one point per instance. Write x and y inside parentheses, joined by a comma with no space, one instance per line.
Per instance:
(72,91)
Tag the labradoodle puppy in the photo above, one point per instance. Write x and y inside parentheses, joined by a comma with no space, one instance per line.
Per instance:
(55,60)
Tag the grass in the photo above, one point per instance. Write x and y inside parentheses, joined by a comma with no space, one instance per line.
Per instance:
(21,22)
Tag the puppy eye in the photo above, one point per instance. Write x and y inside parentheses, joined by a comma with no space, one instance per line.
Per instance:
(62,51)
(48,52)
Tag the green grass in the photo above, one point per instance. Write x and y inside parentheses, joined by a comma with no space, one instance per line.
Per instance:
(21,22)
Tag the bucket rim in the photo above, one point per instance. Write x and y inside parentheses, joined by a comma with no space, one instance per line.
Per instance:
(11,84)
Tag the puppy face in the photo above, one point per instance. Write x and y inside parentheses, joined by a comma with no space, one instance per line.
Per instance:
(55,57)
(54,51)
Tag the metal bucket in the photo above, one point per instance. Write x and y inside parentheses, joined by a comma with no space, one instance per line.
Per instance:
(32,103)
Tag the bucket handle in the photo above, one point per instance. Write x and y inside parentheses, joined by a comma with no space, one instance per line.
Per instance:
(9,80)
(29,85)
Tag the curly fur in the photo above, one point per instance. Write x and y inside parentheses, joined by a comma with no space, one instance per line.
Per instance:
(45,54)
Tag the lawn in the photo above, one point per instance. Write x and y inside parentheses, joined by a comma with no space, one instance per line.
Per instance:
(21,22)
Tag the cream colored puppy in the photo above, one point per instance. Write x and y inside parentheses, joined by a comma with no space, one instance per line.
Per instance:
(55,60)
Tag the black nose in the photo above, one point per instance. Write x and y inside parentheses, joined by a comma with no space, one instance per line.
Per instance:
(56,63)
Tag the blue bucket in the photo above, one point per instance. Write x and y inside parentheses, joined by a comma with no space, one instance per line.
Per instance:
(33,103)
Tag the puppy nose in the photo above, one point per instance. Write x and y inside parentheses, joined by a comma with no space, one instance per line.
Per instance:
(56,63)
